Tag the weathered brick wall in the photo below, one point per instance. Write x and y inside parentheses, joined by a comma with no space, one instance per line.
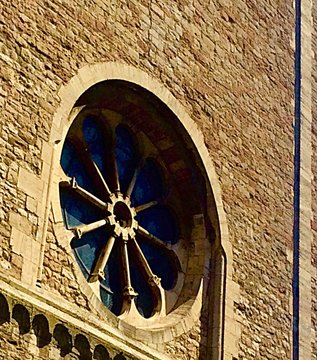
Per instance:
(230,64)
(314,183)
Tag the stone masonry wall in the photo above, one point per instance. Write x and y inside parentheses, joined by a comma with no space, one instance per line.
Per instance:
(230,63)
(314,187)
(58,273)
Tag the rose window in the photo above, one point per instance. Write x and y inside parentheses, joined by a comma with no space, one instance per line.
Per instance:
(128,201)
(123,228)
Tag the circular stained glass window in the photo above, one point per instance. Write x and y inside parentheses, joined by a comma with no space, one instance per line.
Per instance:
(122,198)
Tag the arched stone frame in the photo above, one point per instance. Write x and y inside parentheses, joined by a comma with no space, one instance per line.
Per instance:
(223,329)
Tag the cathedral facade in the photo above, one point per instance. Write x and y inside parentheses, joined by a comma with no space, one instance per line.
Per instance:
(157,188)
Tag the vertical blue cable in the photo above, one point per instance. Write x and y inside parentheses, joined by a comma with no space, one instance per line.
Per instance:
(297,158)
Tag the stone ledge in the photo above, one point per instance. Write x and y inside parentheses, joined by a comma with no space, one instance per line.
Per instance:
(55,307)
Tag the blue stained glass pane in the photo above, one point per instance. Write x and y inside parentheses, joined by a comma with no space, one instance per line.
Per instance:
(113,281)
(76,210)
(83,268)
(161,264)
(87,250)
(68,154)
(144,300)
(95,139)
(126,156)
(160,222)
(73,167)
(88,247)
(106,297)
(149,184)
(90,130)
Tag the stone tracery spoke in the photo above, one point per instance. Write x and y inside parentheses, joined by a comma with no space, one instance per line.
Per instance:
(128,289)
(152,278)
(95,173)
(101,178)
(146,206)
(84,193)
(84,229)
(152,238)
(115,175)
(98,271)
(84,152)
(122,184)
(134,178)
(114,165)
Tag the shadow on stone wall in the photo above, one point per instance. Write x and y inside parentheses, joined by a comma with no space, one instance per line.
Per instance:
(25,333)
(212,314)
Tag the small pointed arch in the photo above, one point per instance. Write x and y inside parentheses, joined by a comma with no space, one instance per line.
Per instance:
(101,353)
(40,326)
(63,338)
(4,310)
(82,345)
(22,316)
